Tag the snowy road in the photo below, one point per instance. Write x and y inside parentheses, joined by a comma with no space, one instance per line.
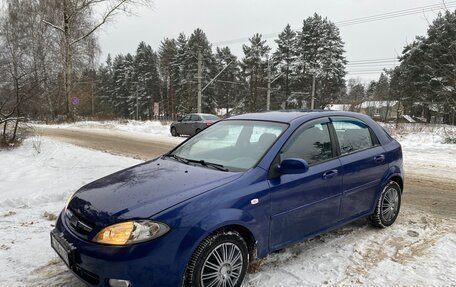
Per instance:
(116,142)
(419,250)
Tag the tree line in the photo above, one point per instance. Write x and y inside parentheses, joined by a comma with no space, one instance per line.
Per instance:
(49,69)
(169,76)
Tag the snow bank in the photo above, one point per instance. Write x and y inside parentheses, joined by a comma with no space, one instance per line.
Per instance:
(419,133)
(150,128)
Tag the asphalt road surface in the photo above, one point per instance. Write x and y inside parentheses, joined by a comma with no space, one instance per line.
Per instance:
(422,191)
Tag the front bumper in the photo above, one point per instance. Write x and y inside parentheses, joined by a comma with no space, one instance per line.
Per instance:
(152,263)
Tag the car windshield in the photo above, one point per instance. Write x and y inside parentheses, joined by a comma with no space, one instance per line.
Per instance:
(233,145)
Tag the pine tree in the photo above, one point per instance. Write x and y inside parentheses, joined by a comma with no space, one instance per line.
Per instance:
(284,58)
(167,53)
(183,75)
(356,94)
(254,68)
(104,87)
(321,54)
(147,79)
(198,43)
(428,68)
(228,85)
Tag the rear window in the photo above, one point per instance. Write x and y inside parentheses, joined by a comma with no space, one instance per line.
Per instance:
(353,135)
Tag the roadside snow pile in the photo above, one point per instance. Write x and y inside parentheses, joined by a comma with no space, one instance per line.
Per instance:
(426,155)
(149,128)
(36,179)
(422,133)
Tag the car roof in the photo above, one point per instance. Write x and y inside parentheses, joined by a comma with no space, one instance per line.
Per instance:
(287,116)
(200,114)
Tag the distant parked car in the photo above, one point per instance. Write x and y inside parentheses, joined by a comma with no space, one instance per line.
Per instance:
(238,190)
(192,124)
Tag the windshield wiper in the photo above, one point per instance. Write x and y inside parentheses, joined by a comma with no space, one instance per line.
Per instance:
(176,157)
(210,164)
(201,162)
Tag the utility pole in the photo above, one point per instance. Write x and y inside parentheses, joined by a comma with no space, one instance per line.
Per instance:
(313,92)
(200,92)
(137,106)
(268,100)
(93,103)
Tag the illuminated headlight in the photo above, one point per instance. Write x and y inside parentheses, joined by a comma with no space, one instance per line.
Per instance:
(130,232)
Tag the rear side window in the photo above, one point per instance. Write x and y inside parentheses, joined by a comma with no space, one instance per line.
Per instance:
(312,144)
(353,135)
(195,118)
(210,117)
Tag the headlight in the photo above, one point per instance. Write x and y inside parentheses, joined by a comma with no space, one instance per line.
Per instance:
(129,232)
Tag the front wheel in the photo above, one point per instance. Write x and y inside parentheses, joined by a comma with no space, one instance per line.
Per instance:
(388,206)
(220,260)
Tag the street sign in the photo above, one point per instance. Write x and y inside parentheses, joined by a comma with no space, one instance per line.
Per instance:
(74,101)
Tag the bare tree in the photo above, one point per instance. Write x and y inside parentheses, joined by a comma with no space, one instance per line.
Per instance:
(79,23)
(16,62)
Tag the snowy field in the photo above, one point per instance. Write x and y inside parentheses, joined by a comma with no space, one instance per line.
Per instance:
(420,249)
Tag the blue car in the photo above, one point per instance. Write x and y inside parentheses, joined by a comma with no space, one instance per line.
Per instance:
(238,190)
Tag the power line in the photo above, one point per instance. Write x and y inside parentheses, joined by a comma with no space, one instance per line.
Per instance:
(396,14)
(360,20)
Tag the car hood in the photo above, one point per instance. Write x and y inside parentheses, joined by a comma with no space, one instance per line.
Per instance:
(144,190)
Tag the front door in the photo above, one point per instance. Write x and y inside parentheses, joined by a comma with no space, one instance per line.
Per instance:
(303,204)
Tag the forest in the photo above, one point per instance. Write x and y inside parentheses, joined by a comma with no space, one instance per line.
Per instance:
(50,69)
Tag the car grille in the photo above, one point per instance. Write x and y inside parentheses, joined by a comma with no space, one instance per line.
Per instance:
(78,225)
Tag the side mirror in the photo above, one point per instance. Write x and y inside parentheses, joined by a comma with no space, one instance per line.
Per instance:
(293,166)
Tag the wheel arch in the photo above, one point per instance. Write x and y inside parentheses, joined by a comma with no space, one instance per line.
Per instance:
(399,180)
(226,219)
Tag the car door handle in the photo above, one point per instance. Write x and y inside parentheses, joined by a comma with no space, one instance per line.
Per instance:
(331,173)
(379,158)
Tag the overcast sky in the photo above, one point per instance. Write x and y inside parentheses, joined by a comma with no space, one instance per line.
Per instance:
(224,20)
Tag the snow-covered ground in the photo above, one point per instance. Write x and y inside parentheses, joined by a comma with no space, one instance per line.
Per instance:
(425,153)
(148,128)
(33,189)
(420,249)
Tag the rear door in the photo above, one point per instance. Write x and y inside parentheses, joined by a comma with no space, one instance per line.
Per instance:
(182,126)
(194,124)
(302,204)
(363,165)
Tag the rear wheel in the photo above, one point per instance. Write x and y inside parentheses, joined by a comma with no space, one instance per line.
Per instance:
(197,131)
(220,260)
(388,206)
(174,132)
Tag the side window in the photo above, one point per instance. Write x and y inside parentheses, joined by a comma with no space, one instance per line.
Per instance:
(185,119)
(353,135)
(312,144)
(195,118)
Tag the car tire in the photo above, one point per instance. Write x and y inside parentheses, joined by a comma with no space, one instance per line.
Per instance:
(174,132)
(205,267)
(197,131)
(388,206)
